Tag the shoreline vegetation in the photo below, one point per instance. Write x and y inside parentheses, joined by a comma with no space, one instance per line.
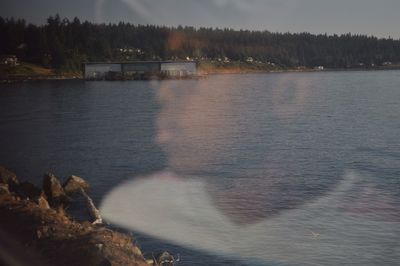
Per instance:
(34,222)
(30,72)
(58,48)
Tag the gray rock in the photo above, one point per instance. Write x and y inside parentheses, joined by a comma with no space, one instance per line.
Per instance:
(53,190)
(74,184)
(165,259)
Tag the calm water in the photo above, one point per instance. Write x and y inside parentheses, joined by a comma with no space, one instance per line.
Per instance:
(258,169)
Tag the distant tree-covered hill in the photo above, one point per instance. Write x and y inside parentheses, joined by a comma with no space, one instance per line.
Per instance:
(64,44)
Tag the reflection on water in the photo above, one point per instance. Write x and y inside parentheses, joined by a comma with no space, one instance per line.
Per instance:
(277,169)
(224,131)
(102,131)
(259,169)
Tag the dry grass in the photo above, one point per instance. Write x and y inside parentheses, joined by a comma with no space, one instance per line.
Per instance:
(54,239)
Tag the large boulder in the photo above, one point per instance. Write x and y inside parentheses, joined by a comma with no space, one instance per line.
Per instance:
(165,259)
(75,184)
(8,177)
(53,190)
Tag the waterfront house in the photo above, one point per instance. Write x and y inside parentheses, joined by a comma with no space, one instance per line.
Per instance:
(10,60)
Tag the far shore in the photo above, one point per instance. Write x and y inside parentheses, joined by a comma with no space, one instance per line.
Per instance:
(202,72)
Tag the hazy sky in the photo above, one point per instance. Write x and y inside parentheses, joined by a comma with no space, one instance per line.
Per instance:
(372,17)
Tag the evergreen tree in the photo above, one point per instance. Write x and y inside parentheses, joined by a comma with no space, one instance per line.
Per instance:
(64,45)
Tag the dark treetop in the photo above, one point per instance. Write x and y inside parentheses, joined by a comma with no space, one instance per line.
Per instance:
(65,44)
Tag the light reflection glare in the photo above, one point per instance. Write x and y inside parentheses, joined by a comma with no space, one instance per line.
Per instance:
(180,211)
(215,196)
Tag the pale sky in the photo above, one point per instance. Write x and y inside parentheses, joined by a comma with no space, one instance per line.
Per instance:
(372,17)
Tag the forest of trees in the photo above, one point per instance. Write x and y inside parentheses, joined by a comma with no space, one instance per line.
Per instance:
(64,44)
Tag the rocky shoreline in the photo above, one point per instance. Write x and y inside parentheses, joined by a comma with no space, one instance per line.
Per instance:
(36,230)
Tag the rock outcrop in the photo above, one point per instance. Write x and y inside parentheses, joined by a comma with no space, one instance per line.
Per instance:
(54,191)
(165,259)
(52,238)
(42,202)
(8,177)
(74,184)
(33,233)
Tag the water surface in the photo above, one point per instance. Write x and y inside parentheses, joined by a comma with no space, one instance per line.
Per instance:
(287,169)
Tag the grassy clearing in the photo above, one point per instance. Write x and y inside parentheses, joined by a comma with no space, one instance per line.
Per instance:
(25,69)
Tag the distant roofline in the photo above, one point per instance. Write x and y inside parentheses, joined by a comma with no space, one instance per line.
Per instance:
(134,62)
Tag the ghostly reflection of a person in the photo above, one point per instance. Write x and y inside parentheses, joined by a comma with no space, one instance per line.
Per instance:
(220,135)
(234,185)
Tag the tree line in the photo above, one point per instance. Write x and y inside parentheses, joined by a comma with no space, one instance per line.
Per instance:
(64,44)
